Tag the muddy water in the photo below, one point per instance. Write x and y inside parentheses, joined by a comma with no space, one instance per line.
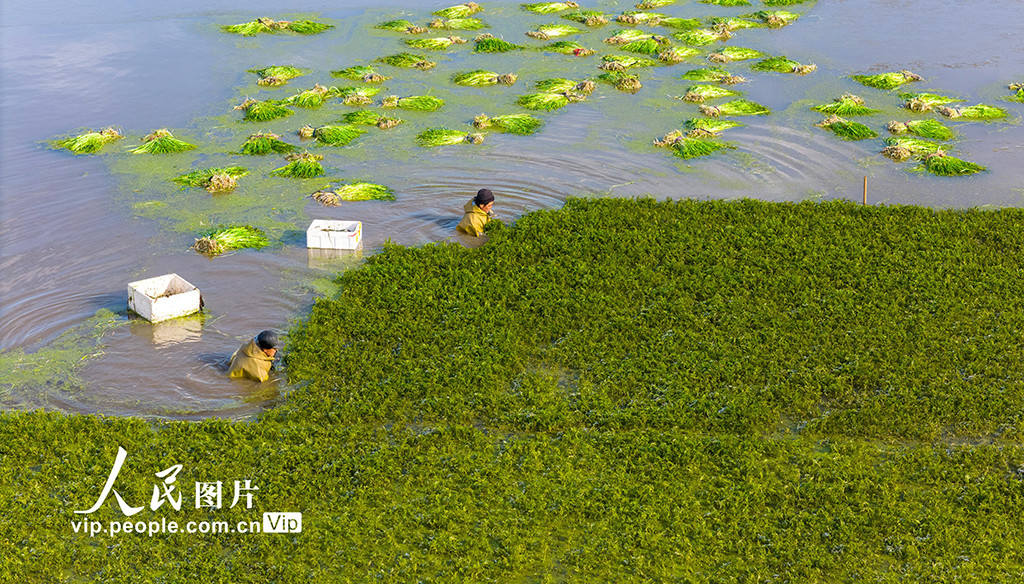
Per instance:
(75,230)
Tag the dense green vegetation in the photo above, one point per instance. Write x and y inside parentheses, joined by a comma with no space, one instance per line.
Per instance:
(618,391)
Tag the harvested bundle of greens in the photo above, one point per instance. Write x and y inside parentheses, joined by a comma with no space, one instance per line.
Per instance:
(627,35)
(712,74)
(677,54)
(931,129)
(700,93)
(337,135)
(847,105)
(401,26)
(311,98)
(364,73)
(846,129)
(736,107)
(783,2)
(260,143)
(1019,96)
(303,165)
(356,95)
(460,11)
(277,75)
(621,81)
(263,111)
(90,141)
(308,27)
(519,124)
(729,54)
(225,239)
(559,85)
(548,31)
(634,17)
(548,101)
(731,24)
(974,112)
(495,45)
(703,126)
(681,23)
(446,137)
(306,132)
(686,147)
(162,142)
(648,46)
(587,17)
(774,18)
(458,24)
(623,62)
(569,48)
(942,164)
(726,2)
(214,180)
(481,77)
(924,102)
(648,4)
(914,146)
(701,36)
(783,65)
(408,61)
(267,25)
(356,191)
(887,80)
(550,7)
(369,118)
(420,103)
(435,44)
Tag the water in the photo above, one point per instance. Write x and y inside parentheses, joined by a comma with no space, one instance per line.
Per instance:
(75,230)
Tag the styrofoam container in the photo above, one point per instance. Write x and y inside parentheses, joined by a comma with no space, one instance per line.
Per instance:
(327,234)
(163,297)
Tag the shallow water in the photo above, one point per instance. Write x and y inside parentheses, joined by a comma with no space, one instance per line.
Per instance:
(75,230)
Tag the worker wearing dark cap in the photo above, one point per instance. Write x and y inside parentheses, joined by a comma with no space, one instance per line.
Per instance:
(253,359)
(478,213)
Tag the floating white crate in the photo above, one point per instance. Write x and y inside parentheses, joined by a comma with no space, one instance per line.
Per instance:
(326,234)
(163,297)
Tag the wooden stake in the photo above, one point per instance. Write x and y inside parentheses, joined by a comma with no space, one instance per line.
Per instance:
(865,190)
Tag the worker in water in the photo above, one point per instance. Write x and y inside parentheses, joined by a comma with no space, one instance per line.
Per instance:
(478,213)
(253,359)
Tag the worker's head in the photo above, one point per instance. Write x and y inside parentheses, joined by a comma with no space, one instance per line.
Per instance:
(484,199)
(268,342)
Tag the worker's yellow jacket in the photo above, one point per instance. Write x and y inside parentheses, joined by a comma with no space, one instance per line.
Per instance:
(250,362)
(474,220)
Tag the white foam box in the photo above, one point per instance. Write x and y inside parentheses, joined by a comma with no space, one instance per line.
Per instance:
(163,298)
(327,234)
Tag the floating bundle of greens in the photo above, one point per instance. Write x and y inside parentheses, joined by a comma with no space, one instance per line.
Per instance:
(446,137)
(783,65)
(337,135)
(260,143)
(419,103)
(587,17)
(162,142)
(701,93)
(783,2)
(677,54)
(887,80)
(262,111)
(549,101)
(277,75)
(707,127)
(900,149)
(713,74)
(458,24)
(90,141)
(312,98)
(729,54)
(303,165)
(648,46)
(931,129)
(943,164)
(726,2)
(369,118)
(481,77)
(1019,96)
(630,35)
(730,24)
(774,18)
(560,85)
(486,43)
(736,107)
(648,4)
(700,37)
(214,180)
(364,73)
(435,44)
(408,61)
(569,48)
(847,105)
(356,95)
(266,25)
(623,62)
(357,191)
(550,7)
(547,31)
(621,81)
(974,112)
(519,124)
(686,147)
(846,129)
(401,26)
(460,11)
(924,102)
(225,239)
(634,17)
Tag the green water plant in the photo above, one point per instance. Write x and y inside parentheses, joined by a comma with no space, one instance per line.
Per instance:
(262,111)
(90,142)
(519,124)
(974,112)
(490,44)
(547,31)
(700,37)
(942,164)
(730,54)
(924,102)
(846,129)
(783,64)
(435,44)
(408,61)
(311,98)
(784,2)
(680,23)
(732,23)
(356,95)
(915,146)
(458,24)
(712,75)
(304,165)
(337,135)
(774,18)
(635,17)
(676,54)
(363,73)
(214,180)
(162,142)
(727,2)
(847,105)
(481,77)
(624,62)
(354,191)
(627,35)
(736,107)
(267,25)
(419,103)
(277,75)
(698,127)
(686,147)
(568,48)
(561,85)
(649,46)
(548,101)
(403,26)
(587,17)
(459,11)
(701,93)
(549,7)
(446,137)
(1019,96)
(261,143)
(230,238)
(621,81)
(648,4)
(369,118)
(308,27)
(890,80)
(931,129)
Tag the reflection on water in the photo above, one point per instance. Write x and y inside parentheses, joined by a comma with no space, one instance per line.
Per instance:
(70,241)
